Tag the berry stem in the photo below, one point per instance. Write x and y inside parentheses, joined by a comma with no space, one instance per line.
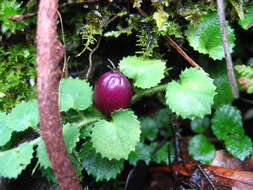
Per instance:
(148,92)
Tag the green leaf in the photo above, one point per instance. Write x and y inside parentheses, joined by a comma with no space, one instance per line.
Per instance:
(116,139)
(15,160)
(23,116)
(163,154)
(240,147)
(142,152)
(71,137)
(98,167)
(86,131)
(224,94)
(226,122)
(200,149)
(163,117)
(42,155)
(205,36)
(75,93)
(5,130)
(200,125)
(149,129)
(247,21)
(192,96)
(227,126)
(145,72)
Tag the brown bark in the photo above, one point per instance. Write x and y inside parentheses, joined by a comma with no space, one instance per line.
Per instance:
(49,53)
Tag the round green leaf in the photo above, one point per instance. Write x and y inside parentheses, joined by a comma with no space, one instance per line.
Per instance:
(226,122)
(142,152)
(193,95)
(95,165)
(200,125)
(163,117)
(116,139)
(239,147)
(75,93)
(145,72)
(205,36)
(200,149)
(23,116)
(149,128)
(13,161)
(5,130)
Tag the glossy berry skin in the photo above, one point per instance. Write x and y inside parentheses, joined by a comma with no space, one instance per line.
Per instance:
(112,91)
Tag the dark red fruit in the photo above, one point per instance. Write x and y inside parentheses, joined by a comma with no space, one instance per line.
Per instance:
(112,91)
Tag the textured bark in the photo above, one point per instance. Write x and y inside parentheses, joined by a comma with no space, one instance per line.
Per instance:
(49,54)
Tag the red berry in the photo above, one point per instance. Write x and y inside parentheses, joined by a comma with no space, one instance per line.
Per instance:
(112,91)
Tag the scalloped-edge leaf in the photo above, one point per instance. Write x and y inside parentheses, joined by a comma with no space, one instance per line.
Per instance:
(205,36)
(23,116)
(192,96)
(239,147)
(200,125)
(145,72)
(149,129)
(5,130)
(200,149)
(142,152)
(75,93)
(71,137)
(117,138)
(15,160)
(227,126)
(247,21)
(226,122)
(98,167)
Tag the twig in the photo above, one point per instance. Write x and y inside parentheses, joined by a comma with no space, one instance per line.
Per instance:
(175,45)
(230,69)
(28,15)
(64,43)
(90,58)
(161,143)
(246,100)
(22,17)
(182,52)
(49,54)
(206,176)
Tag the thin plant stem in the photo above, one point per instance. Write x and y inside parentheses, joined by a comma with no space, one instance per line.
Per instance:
(90,58)
(230,68)
(148,92)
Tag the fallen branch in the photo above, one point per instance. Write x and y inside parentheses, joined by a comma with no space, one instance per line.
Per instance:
(49,54)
